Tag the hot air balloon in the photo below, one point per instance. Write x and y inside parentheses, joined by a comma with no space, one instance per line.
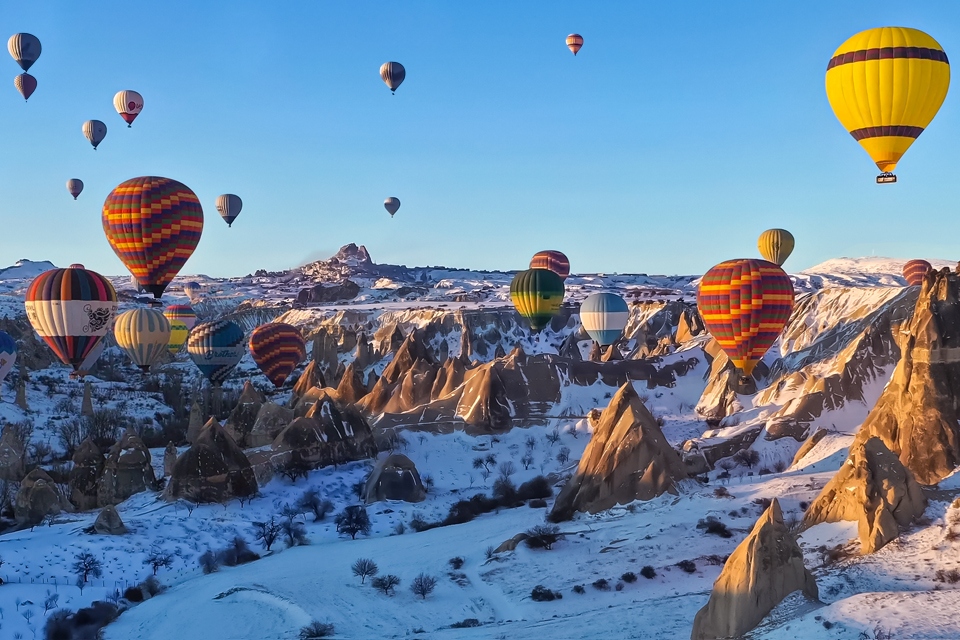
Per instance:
(216,348)
(885,86)
(8,354)
(392,205)
(76,265)
(183,313)
(193,289)
(128,104)
(26,84)
(71,309)
(277,348)
(537,294)
(745,305)
(229,207)
(393,74)
(153,225)
(143,334)
(24,48)
(552,260)
(604,316)
(178,336)
(75,187)
(94,131)
(915,271)
(574,42)
(776,245)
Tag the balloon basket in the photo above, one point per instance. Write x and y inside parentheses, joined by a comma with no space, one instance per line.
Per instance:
(886,178)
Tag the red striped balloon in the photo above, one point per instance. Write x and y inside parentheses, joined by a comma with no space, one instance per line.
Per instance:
(277,348)
(915,271)
(745,304)
(182,312)
(552,260)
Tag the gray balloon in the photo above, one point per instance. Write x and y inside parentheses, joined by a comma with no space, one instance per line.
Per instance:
(393,74)
(391,205)
(94,131)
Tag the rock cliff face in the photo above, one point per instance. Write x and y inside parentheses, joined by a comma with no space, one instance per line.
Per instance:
(214,469)
(328,433)
(763,570)
(627,459)
(241,420)
(37,498)
(85,475)
(127,470)
(394,478)
(874,489)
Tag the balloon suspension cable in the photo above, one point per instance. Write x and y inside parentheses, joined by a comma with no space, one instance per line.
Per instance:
(886,178)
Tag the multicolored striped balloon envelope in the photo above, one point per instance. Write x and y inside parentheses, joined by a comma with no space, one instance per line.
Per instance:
(178,336)
(915,271)
(277,348)
(745,304)
(216,348)
(153,225)
(143,334)
(72,310)
(537,294)
(8,354)
(604,316)
(182,312)
(552,260)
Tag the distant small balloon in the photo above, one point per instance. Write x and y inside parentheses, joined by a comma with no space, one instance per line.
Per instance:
(574,42)
(26,84)
(392,205)
(94,131)
(193,290)
(393,74)
(24,48)
(229,207)
(75,187)
(128,104)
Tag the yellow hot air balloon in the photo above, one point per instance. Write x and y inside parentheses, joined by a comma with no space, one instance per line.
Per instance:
(144,334)
(178,336)
(885,85)
(775,245)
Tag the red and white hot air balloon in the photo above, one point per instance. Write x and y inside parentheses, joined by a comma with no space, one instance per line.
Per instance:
(128,104)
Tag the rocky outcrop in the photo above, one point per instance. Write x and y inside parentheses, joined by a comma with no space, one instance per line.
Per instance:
(351,387)
(809,444)
(874,489)
(127,470)
(448,378)
(271,420)
(214,469)
(628,458)
(394,478)
(690,325)
(763,570)
(197,420)
(169,459)
(411,351)
(511,544)
(310,378)
(85,475)
(329,433)
(12,456)
(37,498)
(346,290)
(108,522)
(241,420)
(86,406)
(917,414)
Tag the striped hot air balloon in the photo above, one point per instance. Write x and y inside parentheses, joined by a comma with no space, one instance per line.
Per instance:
(71,309)
(153,225)
(277,348)
(143,334)
(775,245)
(193,290)
(216,348)
(8,354)
(128,104)
(183,313)
(745,304)
(915,271)
(178,336)
(552,260)
(94,131)
(24,48)
(604,316)
(229,205)
(574,42)
(75,187)
(26,84)
(537,294)
(393,74)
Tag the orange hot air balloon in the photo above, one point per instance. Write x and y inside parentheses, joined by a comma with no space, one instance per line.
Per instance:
(574,42)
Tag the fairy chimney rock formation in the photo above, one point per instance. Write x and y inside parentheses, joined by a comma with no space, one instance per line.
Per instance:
(240,422)
(763,570)
(917,414)
(627,459)
(197,419)
(351,387)
(169,459)
(127,470)
(214,469)
(108,522)
(85,475)
(37,498)
(271,420)
(86,407)
(394,478)
(874,489)
(310,378)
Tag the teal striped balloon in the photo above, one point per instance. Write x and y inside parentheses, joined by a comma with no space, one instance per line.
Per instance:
(604,317)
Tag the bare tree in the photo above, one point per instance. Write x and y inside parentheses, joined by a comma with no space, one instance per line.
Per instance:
(364,568)
(386,584)
(563,456)
(311,501)
(50,602)
(86,564)
(506,469)
(267,532)
(157,558)
(554,436)
(423,585)
(526,461)
(353,520)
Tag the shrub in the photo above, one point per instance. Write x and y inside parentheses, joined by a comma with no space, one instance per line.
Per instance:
(353,520)
(747,458)
(316,630)
(489,552)
(629,577)
(152,587)
(687,565)
(538,504)
(648,572)
(543,536)
(423,585)
(209,562)
(418,524)
(456,563)
(952,576)
(311,501)
(601,585)
(579,589)
(469,623)
(541,594)
(363,568)
(619,586)
(780,466)
(712,526)
(505,492)
(721,492)
(386,584)
(538,487)
(133,594)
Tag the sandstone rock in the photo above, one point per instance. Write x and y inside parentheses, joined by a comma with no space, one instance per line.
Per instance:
(512,543)
(351,388)
(327,434)
(690,325)
(346,290)
(37,498)
(809,444)
(169,459)
(309,379)
(414,387)
(364,355)
(271,420)
(874,489)
(85,475)
(12,456)
(628,458)
(86,407)
(612,353)
(240,422)
(127,470)
(21,399)
(596,354)
(763,570)
(409,352)
(448,378)
(214,469)
(197,420)
(394,478)
(108,522)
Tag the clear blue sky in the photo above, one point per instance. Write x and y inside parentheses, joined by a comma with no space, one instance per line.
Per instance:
(679,132)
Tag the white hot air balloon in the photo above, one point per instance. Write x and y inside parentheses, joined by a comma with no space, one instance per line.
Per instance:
(94,131)
(229,205)
(128,104)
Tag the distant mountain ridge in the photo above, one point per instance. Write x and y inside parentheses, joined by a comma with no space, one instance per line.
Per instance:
(25,269)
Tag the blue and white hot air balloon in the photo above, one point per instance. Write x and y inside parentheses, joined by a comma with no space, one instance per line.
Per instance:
(216,348)
(604,316)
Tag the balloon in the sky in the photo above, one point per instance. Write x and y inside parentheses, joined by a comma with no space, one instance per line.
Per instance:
(574,42)
(277,348)
(178,336)
(537,294)
(143,334)
(393,74)
(8,354)
(153,225)
(75,187)
(193,289)
(604,316)
(24,48)
(229,207)
(128,104)
(885,86)
(552,260)
(392,205)
(915,271)
(182,312)
(71,309)
(216,348)
(26,84)
(776,245)
(94,131)
(745,304)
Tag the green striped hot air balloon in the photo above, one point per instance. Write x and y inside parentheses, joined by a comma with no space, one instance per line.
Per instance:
(537,294)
